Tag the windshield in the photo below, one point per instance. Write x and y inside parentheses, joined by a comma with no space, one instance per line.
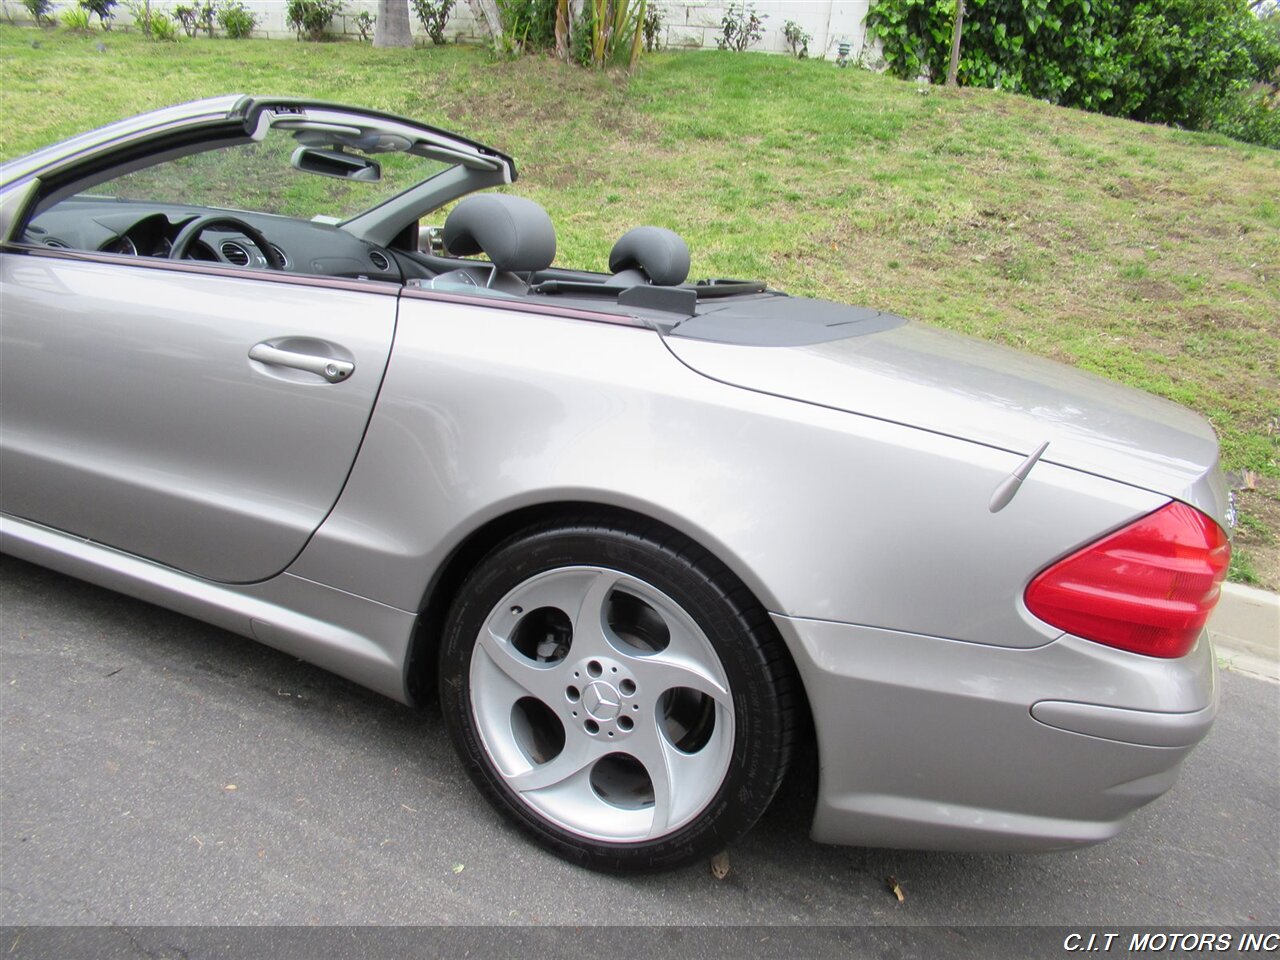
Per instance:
(260,177)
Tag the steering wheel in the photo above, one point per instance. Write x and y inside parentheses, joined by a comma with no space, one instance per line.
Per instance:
(187,236)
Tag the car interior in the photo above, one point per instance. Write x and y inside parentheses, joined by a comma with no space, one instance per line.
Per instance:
(648,266)
(324,192)
(338,194)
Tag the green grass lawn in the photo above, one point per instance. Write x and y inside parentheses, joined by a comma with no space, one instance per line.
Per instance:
(1146,254)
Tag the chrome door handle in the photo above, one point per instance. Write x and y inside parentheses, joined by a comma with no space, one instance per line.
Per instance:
(333,370)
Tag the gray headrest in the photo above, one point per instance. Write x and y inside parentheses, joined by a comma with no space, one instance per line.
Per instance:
(514,233)
(659,252)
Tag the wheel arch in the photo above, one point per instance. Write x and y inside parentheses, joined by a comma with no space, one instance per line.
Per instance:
(420,666)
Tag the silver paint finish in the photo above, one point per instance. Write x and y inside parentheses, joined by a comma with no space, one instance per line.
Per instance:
(13,205)
(954,385)
(134,417)
(1144,727)
(203,268)
(969,767)
(822,514)
(366,642)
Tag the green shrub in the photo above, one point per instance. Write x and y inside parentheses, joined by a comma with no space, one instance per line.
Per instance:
(39,10)
(196,17)
(433,15)
(740,29)
(598,33)
(76,19)
(652,27)
(163,28)
(797,39)
(1183,62)
(365,22)
(103,10)
(608,33)
(140,13)
(312,18)
(1253,116)
(186,16)
(528,24)
(236,21)
(1188,61)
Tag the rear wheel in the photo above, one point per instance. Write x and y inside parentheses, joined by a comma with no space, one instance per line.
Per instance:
(618,693)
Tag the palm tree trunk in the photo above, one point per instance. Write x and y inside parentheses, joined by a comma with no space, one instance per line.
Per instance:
(955,45)
(392,28)
(563,18)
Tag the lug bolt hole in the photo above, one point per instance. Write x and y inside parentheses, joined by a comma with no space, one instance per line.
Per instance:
(516,611)
(594,669)
(628,687)
(624,724)
(611,733)
(573,694)
(635,706)
(592,727)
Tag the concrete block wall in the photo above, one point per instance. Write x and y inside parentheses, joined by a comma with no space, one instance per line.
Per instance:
(686,25)
(272,20)
(830,22)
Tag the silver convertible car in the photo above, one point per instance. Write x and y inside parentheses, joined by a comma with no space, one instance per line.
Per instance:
(647,535)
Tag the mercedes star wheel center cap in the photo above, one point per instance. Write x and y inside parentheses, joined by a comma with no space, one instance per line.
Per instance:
(602,700)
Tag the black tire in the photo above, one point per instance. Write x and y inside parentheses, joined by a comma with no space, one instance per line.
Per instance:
(761,680)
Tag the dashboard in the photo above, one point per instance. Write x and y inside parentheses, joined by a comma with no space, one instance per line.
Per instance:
(138,229)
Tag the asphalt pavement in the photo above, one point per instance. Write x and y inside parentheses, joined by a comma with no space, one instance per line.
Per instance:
(155,770)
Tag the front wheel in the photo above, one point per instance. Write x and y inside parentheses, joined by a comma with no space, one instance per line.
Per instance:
(618,693)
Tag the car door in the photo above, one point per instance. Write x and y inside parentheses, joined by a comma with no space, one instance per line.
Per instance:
(197,306)
(204,418)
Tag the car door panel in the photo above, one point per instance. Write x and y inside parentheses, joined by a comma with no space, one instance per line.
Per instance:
(132,414)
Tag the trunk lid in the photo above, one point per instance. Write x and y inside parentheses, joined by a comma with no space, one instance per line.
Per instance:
(951,384)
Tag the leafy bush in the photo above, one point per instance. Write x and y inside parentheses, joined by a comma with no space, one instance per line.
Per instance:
(608,32)
(140,13)
(365,22)
(1189,60)
(528,24)
(76,19)
(433,15)
(797,39)
(740,30)
(652,28)
(1253,117)
(39,10)
(236,21)
(1271,21)
(1184,62)
(602,33)
(102,8)
(163,28)
(195,18)
(312,17)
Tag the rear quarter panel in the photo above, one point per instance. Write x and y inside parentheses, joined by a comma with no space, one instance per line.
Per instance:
(823,514)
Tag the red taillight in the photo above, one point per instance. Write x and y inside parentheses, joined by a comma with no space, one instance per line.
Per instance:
(1149,587)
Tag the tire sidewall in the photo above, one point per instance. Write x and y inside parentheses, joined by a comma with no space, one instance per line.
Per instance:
(752,775)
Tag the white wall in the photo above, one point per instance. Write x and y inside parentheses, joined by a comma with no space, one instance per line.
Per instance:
(685,24)
(829,21)
(271,16)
